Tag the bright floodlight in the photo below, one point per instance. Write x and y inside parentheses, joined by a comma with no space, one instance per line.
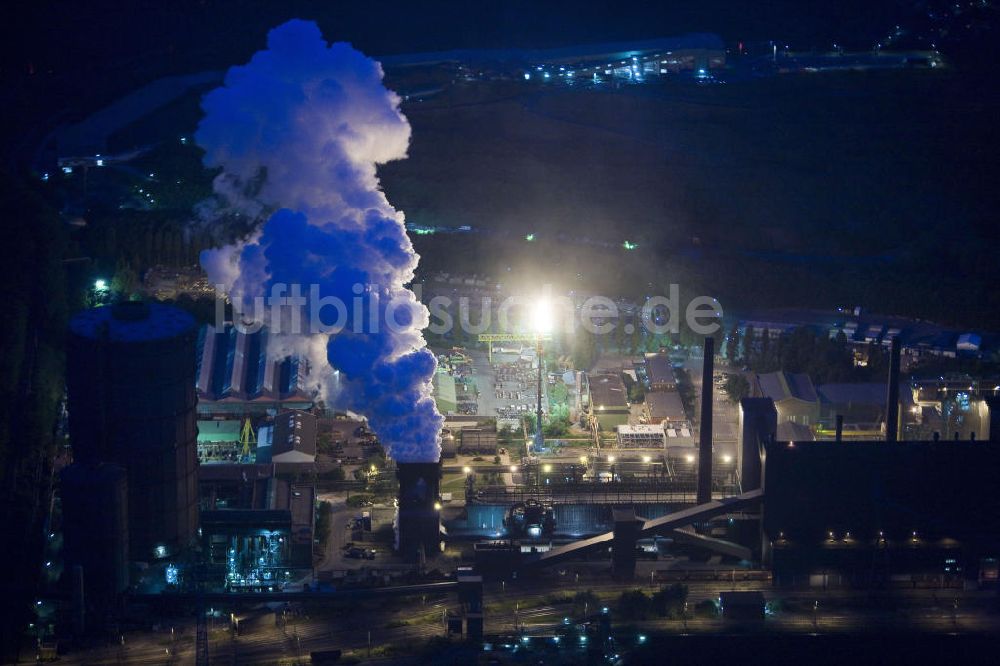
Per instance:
(541,319)
(100,285)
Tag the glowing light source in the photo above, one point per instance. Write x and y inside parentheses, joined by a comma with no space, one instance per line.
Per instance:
(100,285)
(437,506)
(541,317)
(546,468)
(467,470)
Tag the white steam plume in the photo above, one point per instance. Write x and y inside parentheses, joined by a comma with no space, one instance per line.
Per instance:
(300,130)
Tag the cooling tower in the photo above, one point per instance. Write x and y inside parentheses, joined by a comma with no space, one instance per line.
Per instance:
(131,385)
(419,523)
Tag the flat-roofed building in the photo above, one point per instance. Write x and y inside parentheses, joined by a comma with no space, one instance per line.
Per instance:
(665,407)
(643,436)
(480,439)
(660,372)
(609,400)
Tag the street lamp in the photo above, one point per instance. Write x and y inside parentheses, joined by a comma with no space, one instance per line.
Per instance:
(541,322)
(467,470)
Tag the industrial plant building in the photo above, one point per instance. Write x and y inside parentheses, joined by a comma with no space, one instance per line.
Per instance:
(609,400)
(660,372)
(871,513)
(236,374)
(254,525)
(290,439)
(643,436)
(793,394)
(665,407)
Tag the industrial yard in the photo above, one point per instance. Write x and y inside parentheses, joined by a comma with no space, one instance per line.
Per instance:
(500,335)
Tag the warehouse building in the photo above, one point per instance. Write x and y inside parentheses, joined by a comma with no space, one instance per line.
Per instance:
(660,372)
(609,400)
(237,375)
(665,407)
(290,439)
(793,394)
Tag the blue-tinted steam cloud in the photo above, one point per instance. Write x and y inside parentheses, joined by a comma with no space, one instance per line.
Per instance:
(299,130)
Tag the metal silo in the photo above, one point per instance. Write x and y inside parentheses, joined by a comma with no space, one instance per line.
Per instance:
(132,399)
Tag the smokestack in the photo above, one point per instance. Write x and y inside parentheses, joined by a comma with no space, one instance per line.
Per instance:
(892,400)
(418,527)
(840,428)
(705,440)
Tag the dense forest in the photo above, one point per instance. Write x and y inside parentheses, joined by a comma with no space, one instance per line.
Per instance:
(37,297)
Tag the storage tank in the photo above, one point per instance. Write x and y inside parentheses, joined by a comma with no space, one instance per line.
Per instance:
(94,500)
(132,399)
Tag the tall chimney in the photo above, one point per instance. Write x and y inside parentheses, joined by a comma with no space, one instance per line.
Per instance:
(419,523)
(892,400)
(705,440)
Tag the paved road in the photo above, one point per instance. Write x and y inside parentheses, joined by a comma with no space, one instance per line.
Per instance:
(485,381)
